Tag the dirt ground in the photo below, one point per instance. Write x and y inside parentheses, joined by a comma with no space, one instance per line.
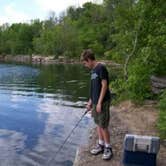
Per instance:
(126,118)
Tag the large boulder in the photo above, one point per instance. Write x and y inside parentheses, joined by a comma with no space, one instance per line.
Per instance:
(158,84)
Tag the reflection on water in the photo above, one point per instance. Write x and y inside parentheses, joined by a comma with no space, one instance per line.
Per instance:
(39,106)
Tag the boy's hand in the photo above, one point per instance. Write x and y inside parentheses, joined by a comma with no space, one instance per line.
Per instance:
(98,108)
(88,107)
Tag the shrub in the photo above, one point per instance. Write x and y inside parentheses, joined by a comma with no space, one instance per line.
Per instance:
(138,83)
(162,116)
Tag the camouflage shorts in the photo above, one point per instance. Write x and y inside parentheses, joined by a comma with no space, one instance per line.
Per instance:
(102,118)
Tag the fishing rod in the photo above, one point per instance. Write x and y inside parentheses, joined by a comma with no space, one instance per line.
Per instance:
(62,145)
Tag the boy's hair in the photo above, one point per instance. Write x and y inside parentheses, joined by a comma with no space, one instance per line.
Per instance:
(87,54)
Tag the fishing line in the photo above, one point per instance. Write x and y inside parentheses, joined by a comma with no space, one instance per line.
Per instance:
(62,145)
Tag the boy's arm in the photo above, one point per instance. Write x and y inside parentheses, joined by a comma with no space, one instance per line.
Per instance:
(89,105)
(102,94)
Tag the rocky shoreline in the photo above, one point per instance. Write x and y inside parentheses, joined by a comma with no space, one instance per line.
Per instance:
(46,60)
(36,59)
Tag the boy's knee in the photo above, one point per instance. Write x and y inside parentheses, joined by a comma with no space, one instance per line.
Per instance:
(104,128)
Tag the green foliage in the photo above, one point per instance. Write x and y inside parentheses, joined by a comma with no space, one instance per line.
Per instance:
(138,29)
(152,38)
(138,83)
(67,35)
(163,102)
(162,116)
(118,87)
(110,28)
(17,38)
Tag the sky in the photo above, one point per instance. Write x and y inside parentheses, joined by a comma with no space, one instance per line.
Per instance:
(14,11)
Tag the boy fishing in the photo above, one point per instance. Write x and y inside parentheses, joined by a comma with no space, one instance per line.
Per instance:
(99,103)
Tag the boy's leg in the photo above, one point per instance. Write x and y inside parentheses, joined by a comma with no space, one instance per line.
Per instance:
(106,135)
(102,121)
(100,135)
(107,150)
(99,147)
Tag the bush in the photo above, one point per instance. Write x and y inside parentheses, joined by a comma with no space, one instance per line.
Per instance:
(118,87)
(162,116)
(138,83)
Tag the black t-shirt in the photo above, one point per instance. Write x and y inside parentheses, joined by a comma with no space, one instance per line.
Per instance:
(98,74)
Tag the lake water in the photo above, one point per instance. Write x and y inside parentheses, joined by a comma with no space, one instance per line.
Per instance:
(39,106)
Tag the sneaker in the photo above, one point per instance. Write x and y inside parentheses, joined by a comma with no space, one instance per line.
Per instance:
(107,155)
(97,149)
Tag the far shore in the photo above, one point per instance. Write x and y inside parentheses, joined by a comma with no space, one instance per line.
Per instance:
(46,60)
